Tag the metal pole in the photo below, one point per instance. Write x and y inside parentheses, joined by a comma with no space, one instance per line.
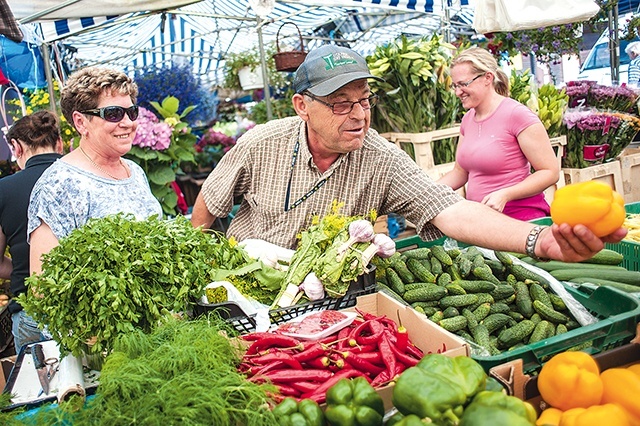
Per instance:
(614,46)
(46,56)
(265,74)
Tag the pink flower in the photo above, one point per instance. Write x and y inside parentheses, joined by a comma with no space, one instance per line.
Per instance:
(151,132)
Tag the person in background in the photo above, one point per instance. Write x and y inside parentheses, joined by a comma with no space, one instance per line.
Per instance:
(92,180)
(500,141)
(36,145)
(633,50)
(290,169)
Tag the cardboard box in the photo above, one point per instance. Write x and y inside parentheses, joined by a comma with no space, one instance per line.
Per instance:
(425,334)
(630,169)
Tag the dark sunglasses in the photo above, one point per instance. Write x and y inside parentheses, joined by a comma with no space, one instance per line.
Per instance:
(114,114)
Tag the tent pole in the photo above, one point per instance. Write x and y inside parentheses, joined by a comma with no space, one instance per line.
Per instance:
(265,74)
(46,56)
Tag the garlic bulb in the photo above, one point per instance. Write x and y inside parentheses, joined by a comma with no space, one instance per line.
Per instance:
(312,287)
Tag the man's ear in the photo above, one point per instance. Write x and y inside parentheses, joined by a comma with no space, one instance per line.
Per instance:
(300,106)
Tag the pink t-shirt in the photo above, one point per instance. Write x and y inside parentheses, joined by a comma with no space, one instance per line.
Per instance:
(490,153)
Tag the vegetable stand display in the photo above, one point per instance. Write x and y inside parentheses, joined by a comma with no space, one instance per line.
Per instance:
(617,315)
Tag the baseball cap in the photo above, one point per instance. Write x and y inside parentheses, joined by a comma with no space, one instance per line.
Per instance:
(328,68)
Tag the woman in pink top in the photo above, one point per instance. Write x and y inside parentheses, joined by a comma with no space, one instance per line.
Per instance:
(500,141)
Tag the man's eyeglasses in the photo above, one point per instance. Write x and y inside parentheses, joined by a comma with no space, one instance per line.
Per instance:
(456,86)
(114,114)
(343,108)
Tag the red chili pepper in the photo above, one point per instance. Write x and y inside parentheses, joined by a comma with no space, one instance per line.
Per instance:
(257,370)
(287,376)
(389,324)
(304,387)
(313,351)
(361,364)
(288,390)
(376,329)
(319,363)
(404,358)
(388,357)
(381,379)
(252,337)
(273,339)
(414,351)
(320,393)
(402,339)
(366,315)
(278,356)
(362,349)
(373,357)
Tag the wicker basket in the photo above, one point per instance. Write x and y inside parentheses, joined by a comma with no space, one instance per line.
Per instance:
(289,61)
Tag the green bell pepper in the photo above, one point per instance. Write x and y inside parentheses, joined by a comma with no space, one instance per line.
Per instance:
(354,402)
(498,409)
(438,388)
(307,412)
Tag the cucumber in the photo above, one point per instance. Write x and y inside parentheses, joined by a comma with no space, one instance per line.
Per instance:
(549,313)
(561,328)
(475,286)
(522,273)
(482,311)
(414,286)
(481,337)
(523,299)
(429,304)
(495,322)
(454,271)
(436,266)
(425,293)
(538,293)
(394,281)
(418,253)
(497,268)
(516,334)
(454,323)
(443,279)
(485,273)
(518,316)
(629,288)
(557,302)
(437,317)
(472,321)
(625,277)
(541,331)
(504,257)
(499,308)
(464,265)
(451,312)
(420,271)
(454,253)
(458,300)
(554,265)
(455,289)
(404,273)
(606,257)
(441,254)
(502,291)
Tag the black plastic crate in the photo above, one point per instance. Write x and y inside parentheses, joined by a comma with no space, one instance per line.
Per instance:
(232,313)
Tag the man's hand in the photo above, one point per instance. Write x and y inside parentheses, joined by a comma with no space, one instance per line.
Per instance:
(573,244)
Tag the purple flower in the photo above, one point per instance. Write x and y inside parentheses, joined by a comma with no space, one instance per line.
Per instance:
(151,133)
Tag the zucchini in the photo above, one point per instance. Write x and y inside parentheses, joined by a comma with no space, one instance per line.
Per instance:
(420,271)
(421,253)
(549,313)
(425,293)
(606,257)
(441,254)
(458,300)
(475,286)
(626,277)
(453,323)
(516,334)
(394,281)
(629,288)
(554,265)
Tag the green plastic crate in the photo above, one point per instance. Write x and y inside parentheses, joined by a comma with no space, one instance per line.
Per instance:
(618,315)
(628,249)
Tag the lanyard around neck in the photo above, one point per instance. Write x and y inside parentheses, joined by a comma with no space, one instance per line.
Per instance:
(300,200)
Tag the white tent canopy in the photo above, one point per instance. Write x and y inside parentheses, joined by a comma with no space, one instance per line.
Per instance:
(135,34)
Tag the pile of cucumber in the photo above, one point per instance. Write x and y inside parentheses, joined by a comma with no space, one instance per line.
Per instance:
(498,305)
(602,269)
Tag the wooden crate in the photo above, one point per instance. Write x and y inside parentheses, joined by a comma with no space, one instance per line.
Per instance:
(630,169)
(609,173)
(422,143)
(437,171)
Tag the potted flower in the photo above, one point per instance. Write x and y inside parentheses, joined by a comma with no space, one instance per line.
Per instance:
(211,147)
(242,70)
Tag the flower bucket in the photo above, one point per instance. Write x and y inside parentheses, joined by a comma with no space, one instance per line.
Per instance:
(289,61)
(250,78)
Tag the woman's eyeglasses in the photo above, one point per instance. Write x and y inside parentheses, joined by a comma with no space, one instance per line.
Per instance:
(114,114)
(456,86)
(343,108)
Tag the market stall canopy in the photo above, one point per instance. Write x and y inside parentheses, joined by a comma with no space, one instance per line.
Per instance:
(203,33)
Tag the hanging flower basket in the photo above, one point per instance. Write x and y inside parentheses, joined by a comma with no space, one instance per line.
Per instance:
(250,78)
(289,61)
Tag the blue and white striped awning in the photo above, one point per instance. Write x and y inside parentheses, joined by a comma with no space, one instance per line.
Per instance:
(203,32)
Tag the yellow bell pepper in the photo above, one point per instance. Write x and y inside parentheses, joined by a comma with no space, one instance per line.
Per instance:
(549,417)
(621,386)
(596,415)
(570,380)
(592,203)
(635,368)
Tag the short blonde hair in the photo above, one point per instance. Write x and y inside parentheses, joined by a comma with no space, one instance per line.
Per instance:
(481,62)
(83,89)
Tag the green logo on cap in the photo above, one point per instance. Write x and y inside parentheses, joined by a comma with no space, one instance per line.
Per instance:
(338,60)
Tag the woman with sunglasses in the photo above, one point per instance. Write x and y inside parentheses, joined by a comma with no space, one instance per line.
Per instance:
(36,145)
(92,180)
(500,141)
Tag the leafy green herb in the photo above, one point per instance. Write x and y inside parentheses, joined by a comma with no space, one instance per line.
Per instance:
(117,274)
